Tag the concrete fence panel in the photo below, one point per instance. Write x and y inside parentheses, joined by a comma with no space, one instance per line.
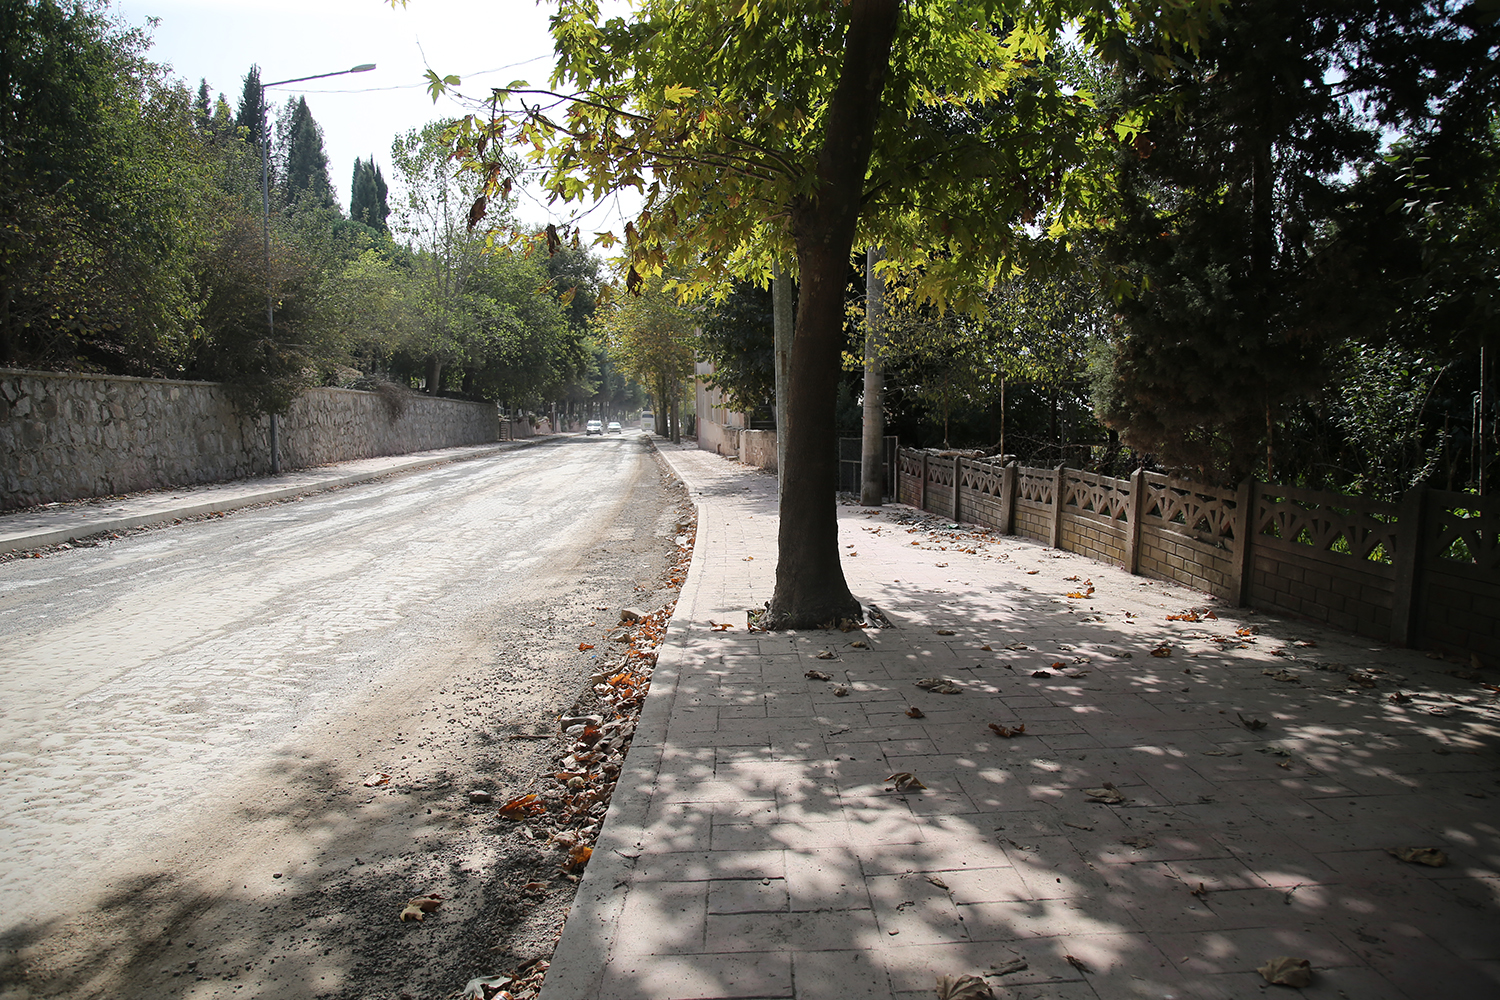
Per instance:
(1425,571)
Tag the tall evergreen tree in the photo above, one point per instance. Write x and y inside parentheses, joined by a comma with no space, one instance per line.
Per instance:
(203,106)
(252,112)
(367,195)
(305,173)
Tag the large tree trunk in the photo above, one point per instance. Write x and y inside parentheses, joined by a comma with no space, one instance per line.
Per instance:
(810,586)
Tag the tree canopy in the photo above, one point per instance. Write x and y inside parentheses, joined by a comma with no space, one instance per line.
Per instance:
(755,131)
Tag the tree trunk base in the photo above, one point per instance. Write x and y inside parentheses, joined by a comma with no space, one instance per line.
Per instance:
(827,614)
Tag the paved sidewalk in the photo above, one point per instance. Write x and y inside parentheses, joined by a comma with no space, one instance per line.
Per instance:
(64,522)
(755,847)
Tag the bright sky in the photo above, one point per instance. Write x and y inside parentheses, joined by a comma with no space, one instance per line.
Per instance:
(486,42)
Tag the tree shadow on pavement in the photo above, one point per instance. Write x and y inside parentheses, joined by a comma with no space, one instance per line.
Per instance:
(776,858)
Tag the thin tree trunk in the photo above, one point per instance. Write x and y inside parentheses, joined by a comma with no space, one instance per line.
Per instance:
(676,411)
(810,585)
(872,450)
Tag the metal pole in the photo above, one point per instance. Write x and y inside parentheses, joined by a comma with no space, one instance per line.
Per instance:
(872,442)
(265,218)
(265,227)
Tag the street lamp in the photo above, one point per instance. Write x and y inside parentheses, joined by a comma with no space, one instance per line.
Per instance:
(265,209)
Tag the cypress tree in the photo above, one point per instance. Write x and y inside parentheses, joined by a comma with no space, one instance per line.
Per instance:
(306,171)
(252,112)
(367,195)
(203,107)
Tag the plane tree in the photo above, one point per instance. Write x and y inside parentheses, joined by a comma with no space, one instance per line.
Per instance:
(791,132)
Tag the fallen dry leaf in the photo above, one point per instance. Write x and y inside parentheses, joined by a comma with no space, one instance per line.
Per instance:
(986,648)
(1008,733)
(1041,673)
(818,675)
(859,644)
(841,692)
(584,647)
(1397,698)
(577,858)
(915,713)
(939,685)
(1285,676)
(905,780)
(963,988)
(377,779)
(1107,793)
(1032,572)
(1286,971)
(522,807)
(828,654)
(1162,650)
(1429,856)
(937,881)
(1014,965)
(721,626)
(1251,724)
(419,907)
(1139,843)
(1078,964)
(946,631)
(1201,892)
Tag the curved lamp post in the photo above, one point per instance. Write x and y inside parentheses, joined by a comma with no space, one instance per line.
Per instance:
(265,207)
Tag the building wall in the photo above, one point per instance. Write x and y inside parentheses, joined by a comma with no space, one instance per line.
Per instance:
(67,436)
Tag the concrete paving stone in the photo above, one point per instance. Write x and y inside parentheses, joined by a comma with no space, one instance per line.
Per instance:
(1430,970)
(999,884)
(879,827)
(825,878)
(664,917)
(758,811)
(912,908)
(668,814)
(761,975)
(748,895)
(755,709)
(704,865)
(1480,893)
(1358,864)
(913,969)
(788,705)
(1227,950)
(807,931)
(839,975)
(1214,874)
(788,835)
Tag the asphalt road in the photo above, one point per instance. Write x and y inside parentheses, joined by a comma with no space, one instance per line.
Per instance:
(188,716)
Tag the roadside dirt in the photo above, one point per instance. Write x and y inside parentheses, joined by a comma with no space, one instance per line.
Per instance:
(293,882)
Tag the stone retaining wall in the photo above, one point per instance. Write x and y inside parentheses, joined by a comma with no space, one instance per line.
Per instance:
(69,436)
